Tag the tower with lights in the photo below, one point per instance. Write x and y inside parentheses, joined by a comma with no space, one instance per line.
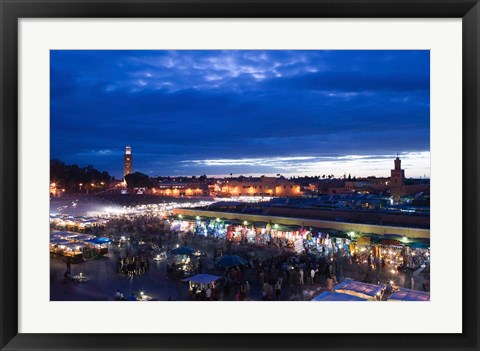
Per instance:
(127,161)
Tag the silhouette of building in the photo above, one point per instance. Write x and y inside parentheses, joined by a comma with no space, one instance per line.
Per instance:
(127,161)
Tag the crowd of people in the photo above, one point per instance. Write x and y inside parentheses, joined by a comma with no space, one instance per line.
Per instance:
(210,292)
(132,265)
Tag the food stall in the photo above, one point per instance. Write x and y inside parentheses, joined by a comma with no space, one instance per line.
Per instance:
(98,245)
(366,291)
(74,251)
(57,245)
(336,296)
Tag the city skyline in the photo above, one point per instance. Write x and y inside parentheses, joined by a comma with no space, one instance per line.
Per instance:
(243,112)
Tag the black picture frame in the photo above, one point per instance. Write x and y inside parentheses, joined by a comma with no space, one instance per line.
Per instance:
(11,11)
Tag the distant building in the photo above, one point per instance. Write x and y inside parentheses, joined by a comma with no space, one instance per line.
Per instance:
(243,186)
(262,186)
(127,161)
(397,185)
(55,190)
(397,178)
(175,189)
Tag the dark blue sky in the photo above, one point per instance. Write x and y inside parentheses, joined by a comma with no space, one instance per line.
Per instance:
(242,112)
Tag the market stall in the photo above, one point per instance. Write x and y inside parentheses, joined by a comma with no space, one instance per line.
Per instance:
(98,245)
(74,251)
(182,267)
(57,245)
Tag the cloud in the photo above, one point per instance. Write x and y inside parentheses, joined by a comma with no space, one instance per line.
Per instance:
(417,164)
(266,106)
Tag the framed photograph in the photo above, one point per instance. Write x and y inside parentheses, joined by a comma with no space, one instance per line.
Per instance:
(239,175)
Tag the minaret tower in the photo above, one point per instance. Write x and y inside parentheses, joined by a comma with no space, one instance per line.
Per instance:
(397,177)
(127,161)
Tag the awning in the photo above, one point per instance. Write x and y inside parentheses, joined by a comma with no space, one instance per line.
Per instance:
(418,245)
(59,241)
(409,295)
(358,287)
(98,241)
(335,296)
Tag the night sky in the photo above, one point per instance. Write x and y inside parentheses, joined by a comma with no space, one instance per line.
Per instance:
(242,112)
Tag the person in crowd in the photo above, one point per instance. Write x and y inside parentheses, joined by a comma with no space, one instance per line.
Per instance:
(247,290)
(270,292)
(329,283)
(261,277)
(132,297)
(118,295)
(69,263)
(239,296)
(208,293)
(278,290)
(264,291)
